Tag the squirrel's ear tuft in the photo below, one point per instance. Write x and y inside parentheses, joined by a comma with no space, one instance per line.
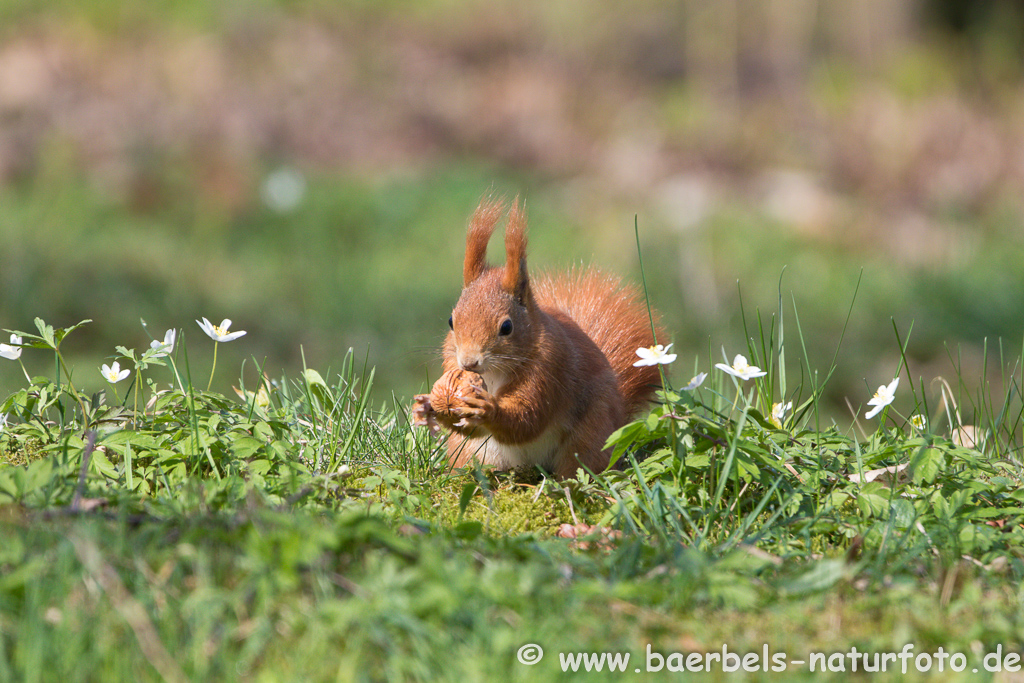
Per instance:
(480,228)
(515,280)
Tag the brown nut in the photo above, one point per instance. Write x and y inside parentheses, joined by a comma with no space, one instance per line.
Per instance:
(447,393)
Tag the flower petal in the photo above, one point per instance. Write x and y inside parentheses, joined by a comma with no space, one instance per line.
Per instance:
(874,411)
(696,381)
(726,369)
(207,327)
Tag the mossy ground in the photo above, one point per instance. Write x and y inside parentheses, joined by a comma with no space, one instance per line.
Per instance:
(510,503)
(22,452)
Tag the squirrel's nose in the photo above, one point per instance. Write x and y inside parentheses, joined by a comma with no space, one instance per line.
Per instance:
(471,364)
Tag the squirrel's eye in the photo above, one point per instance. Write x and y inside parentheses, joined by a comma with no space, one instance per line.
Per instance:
(451,324)
(506,328)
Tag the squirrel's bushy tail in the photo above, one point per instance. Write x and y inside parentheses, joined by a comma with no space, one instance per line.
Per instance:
(615,316)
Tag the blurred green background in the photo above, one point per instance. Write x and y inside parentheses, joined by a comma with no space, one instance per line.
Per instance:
(306,168)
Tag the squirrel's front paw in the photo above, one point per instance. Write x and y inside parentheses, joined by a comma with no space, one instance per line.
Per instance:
(479,406)
(423,414)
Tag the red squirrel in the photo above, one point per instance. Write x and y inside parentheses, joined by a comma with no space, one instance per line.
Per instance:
(555,354)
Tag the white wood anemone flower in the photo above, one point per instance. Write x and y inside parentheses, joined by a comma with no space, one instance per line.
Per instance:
(696,381)
(165,347)
(11,351)
(219,333)
(779,411)
(113,373)
(741,369)
(654,355)
(883,397)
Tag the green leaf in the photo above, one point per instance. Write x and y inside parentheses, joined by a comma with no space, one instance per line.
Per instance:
(822,574)
(46,333)
(873,499)
(314,377)
(468,492)
(263,431)
(975,538)
(139,440)
(746,468)
(60,334)
(318,388)
(259,467)
(244,447)
(926,464)
(627,436)
(102,464)
(18,482)
(902,513)
(940,506)
(698,462)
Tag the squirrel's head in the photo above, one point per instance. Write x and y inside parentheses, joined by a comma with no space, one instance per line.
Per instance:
(491,323)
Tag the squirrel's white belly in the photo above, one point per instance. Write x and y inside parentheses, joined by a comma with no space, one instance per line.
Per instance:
(541,451)
(494,381)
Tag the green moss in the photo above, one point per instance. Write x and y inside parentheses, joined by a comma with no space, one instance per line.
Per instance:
(14,452)
(513,503)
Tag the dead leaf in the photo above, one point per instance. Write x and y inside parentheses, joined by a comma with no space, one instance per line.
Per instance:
(885,475)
